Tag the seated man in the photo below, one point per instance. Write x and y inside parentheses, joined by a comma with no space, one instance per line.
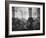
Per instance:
(29,23)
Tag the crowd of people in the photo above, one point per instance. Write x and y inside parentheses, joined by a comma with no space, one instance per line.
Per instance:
(30,24)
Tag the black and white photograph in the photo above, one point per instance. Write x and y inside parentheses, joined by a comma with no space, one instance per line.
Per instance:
(25,19)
